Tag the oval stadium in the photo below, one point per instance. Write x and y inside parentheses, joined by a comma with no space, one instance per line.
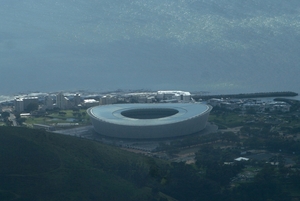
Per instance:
(149,121)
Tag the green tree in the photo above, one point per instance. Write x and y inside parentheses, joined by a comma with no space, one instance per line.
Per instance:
(251,111)
(230,137)
(5,115)
(20,121)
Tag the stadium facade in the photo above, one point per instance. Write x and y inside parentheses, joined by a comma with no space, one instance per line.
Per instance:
(149,121)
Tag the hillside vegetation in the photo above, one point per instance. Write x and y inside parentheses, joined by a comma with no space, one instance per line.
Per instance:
(36,165)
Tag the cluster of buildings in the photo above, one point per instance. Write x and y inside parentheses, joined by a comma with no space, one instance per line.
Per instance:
(174,96)
(21,104)
(159,97)
(257,105)
(61,101)
(142,97)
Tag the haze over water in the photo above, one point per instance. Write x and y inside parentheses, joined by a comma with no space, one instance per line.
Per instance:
(220,46)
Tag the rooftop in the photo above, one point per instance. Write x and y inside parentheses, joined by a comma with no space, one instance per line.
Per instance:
(139,114)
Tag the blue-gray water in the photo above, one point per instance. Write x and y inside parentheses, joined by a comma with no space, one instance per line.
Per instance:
(220,46)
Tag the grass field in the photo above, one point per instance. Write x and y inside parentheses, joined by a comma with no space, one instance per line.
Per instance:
(66,116)
(228,121)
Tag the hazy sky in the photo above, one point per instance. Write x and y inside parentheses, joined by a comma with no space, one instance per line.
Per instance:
(221,46)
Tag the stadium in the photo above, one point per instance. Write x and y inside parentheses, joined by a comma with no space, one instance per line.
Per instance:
(149,121)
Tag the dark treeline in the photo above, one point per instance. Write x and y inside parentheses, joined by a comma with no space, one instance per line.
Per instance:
(46,166)
(270,140)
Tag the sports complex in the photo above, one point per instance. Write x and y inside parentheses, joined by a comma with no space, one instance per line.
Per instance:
(149,121)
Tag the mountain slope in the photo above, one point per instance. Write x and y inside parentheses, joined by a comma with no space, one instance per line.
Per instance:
(36,165)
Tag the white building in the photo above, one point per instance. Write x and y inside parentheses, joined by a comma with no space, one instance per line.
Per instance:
(241,159)
(90,103)
(215,102)
(150,99)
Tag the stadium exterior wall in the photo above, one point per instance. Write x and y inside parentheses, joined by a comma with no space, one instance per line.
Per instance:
(186,126)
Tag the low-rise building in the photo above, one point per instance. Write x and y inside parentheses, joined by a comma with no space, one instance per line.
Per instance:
(241,159)
(90,103)
(278,106)
(106,100)
(255,105)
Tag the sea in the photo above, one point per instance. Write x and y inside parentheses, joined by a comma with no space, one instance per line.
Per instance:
(218,46)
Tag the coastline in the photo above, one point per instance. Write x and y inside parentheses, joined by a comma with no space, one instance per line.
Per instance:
(265,95)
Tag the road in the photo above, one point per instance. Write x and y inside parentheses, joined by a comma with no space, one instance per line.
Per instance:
(12,118)
(78,132)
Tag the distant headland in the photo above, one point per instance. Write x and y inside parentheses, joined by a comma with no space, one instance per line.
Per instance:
(248,95)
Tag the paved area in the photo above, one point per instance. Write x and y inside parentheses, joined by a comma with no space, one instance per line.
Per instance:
(86,131)
(141,146)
